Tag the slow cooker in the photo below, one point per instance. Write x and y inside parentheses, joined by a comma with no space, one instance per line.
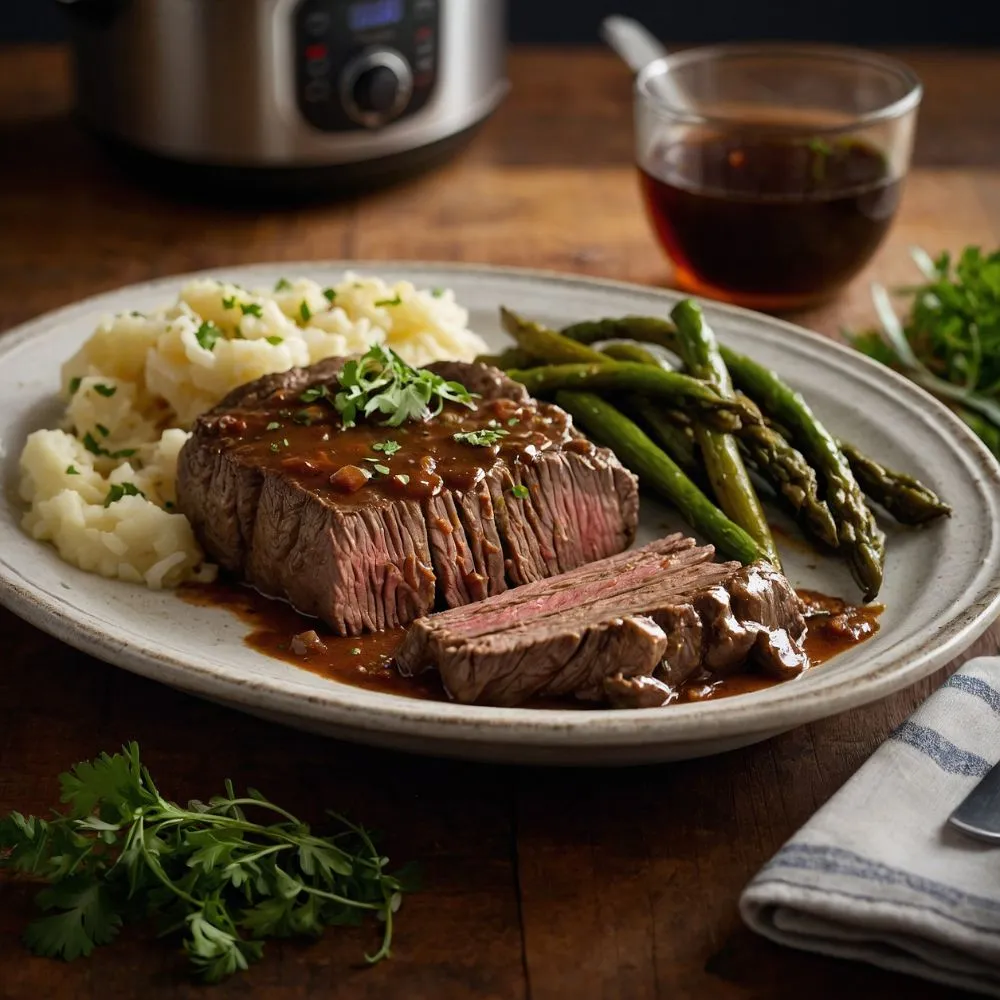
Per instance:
(286,96)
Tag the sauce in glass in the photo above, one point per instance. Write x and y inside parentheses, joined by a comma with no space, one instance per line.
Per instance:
(767,221)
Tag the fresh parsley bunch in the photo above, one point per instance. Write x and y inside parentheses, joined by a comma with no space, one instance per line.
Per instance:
(121,852)
(382,382)
(948,340)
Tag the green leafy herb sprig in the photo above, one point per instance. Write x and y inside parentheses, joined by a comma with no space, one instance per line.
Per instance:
(121,852)
(948,339)
(382,382)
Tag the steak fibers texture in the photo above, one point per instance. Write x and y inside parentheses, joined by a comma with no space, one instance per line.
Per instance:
(385,560)
(626,630)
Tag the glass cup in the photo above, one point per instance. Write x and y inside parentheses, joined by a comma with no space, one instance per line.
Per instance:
(772,173)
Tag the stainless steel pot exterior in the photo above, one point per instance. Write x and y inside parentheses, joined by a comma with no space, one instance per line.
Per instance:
(213,81)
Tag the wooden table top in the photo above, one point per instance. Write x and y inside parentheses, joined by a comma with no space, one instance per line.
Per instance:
(540,884)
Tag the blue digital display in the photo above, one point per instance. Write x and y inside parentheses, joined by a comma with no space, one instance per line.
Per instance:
(374,14)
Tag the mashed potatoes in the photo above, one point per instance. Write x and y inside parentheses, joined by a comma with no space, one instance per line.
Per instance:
(101,488)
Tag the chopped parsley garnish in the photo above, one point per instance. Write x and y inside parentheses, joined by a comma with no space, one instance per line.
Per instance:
(330,293)
(356,651)
(382,382)
(91,445)
(382,470)
(275,446)
(251,309)
(119,490)
(482,438)
(137,314)
(74,384)
(107,391)
(513,422)
(404,478)
(303,417)
(521,492)
(207,334)
(72,470)
(437,292)
(169,505)
(274,340)
(314,393)
(282,285)
(102,430)
(228,301)
(305,312)
(284,441)
(395,301)
(273,425)
(388,448)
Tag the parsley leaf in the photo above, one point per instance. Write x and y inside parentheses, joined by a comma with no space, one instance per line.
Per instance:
(273,425)
(382,469)
(107,391)
(947,339)
(521,492)
(403,478)
(388,448)
(102,430)
(251,309)
(482,438)
(274,340)
(437,292)
(119,851)
(314,393)
(119,490)
(305,312)
(228,301)
(330,294)
(72,470)
(74,384)
(381,382)
(86,918)
(394,301)
(207,334)
(282,285)
(303,417)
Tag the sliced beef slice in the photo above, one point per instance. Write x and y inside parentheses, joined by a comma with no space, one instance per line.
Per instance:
(388,558)
(512,646)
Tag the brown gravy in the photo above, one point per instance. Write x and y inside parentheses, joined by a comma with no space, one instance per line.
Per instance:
(366,661)
(373,463)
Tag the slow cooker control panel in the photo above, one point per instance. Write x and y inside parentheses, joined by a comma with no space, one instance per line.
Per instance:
(361,64)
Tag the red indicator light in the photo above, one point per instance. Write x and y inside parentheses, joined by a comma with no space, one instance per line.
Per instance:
(423,34)
(315,52)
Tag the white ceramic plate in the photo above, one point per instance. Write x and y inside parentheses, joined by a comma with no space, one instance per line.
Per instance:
(942,584)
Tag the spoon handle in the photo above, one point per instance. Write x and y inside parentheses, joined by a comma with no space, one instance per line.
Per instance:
(631,41)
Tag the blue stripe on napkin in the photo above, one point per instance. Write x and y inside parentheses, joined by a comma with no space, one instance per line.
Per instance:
(943,752)
(975,686)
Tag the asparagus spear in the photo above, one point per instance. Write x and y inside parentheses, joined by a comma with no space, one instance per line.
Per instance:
(623,350)
(660,473)
(859,536)
(513,357)
(681,390)
(727,474)
(907,499)
(649,329)
(787,471)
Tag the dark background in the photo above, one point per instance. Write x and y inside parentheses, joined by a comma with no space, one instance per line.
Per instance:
(860,22)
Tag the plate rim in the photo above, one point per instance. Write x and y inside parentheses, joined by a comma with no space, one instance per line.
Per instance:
(623,728)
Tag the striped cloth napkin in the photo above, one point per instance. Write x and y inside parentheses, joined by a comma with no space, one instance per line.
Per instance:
(877,875)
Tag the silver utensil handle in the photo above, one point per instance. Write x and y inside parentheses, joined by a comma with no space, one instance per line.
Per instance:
(979,813)
(636,46)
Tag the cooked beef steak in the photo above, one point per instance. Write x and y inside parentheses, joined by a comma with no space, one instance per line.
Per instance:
(529,642)
(370,527)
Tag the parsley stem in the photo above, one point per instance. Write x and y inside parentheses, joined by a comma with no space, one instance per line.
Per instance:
(341,899)
(154,867)
(263,852)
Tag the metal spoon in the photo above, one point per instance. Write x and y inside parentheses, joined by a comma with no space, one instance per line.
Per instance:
(637,47)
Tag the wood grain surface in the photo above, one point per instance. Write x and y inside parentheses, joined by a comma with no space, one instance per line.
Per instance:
(541,884)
